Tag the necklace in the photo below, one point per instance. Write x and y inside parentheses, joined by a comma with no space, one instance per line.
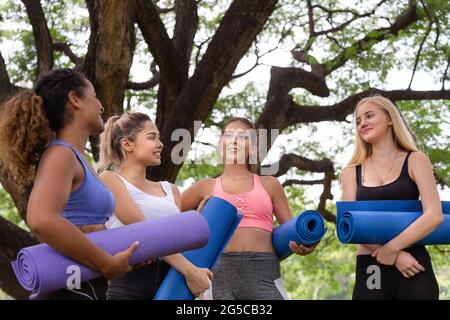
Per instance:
(387,173)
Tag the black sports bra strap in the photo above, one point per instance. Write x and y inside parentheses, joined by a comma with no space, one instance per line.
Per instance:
(358,175)
(405,165)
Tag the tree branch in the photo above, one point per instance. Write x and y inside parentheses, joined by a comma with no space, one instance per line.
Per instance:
(144,85)
(292,182)
(310,18)
(290,160)
(419,52)
(444,77)
(282,80)
(110,53)
(259,56)
(326,195)
(156,37)
(65,48)
(356,16)
(186,22)
(402,22)
(241,23)
(339,111)
(199,49)
(6,88)
(173,71)
(42,38)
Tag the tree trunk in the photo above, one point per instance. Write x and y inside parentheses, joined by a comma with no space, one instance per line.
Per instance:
(110,54)
(237,31)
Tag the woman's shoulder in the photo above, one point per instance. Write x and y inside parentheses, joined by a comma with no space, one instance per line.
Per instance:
(111,179)
(205,183)
(418,158)
(348,171)
(270,184)
(418,155)
(108,175)
(58,154)
(172,186)
(201,187)
(269,181)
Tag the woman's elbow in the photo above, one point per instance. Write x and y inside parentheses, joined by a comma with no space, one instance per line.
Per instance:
(437,220)
(37,225)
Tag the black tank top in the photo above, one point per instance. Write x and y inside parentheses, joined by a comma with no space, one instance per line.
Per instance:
(403,188)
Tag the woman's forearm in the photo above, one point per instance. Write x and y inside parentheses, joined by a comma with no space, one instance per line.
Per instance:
(69,240)
(179,262)
(371,247)
(419,229)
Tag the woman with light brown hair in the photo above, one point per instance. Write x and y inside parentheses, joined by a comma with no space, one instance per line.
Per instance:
(129,144)
(387,165)
(249,268)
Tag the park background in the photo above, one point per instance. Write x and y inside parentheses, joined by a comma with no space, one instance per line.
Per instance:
(298,66)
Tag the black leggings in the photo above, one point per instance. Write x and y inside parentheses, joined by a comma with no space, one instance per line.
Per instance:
(391,284)
(90,290)
(139,284)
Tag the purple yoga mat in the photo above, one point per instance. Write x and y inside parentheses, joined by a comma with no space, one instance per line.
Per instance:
(41,269)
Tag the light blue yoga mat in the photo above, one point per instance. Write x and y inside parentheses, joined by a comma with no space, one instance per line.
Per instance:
(307,229)
(223,219)
(41,269)
(377,222)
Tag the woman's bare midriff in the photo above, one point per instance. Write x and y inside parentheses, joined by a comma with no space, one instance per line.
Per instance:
(250,239)
(87,228)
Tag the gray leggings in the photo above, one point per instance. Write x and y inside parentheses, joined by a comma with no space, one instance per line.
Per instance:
(247,276)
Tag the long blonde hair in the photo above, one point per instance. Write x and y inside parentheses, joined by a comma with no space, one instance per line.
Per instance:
(402,135)
(127,126)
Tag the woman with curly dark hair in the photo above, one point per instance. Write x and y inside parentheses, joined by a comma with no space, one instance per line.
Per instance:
(67,199)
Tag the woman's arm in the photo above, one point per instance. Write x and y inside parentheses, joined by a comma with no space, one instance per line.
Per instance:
(282,211)
(176,196)
(349,186)
(422,173)
(280,203)
(126,209)
(48,199)
(197,279)
(193,196)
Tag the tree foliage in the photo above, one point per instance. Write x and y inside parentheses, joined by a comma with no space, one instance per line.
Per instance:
(299,67)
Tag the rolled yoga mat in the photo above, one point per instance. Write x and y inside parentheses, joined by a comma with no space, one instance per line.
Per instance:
(307,229)
(223,219)
(41,269)
(377,222)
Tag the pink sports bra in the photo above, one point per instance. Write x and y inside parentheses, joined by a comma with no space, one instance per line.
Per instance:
(256,205)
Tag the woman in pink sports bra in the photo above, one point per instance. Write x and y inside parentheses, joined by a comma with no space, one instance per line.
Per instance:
(249,255)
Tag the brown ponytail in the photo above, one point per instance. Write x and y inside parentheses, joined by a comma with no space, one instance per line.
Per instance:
(30,119)
(25,132)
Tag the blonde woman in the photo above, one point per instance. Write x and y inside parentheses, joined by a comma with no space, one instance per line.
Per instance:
(387,165)
(129,144)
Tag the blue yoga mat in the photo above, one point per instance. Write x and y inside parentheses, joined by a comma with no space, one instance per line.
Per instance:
(41,269)
(223,219)
(307,229)
(377,222)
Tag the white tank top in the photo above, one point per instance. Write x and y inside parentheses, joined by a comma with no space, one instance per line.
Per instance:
(153,207)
